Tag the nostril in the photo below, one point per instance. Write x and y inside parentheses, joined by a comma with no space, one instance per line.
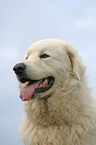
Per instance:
(19,68)
(14,68)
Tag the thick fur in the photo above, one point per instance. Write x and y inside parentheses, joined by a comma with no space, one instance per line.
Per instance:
(66,114)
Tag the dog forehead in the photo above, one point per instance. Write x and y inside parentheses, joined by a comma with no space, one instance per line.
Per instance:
(49,45)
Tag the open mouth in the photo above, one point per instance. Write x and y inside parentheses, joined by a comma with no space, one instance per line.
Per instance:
(35,87)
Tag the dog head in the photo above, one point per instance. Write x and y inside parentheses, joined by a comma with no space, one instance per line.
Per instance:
(48,65)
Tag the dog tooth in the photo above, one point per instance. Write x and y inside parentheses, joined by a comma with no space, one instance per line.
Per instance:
(41,85)
(45,82)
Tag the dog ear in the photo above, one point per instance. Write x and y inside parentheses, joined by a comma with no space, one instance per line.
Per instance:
(73,60)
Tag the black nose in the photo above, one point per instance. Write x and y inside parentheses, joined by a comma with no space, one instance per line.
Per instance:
(19,68)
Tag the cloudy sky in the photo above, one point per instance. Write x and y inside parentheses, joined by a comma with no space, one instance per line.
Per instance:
(23,22)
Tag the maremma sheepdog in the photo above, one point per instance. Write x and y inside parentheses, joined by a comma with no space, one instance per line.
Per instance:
(59,106)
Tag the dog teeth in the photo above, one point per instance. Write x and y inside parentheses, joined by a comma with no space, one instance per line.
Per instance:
(45,82)
(40,86)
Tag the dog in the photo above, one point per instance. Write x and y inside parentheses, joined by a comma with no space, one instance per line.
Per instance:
(60,108)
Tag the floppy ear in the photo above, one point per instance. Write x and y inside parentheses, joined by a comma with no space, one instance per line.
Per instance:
(73,60)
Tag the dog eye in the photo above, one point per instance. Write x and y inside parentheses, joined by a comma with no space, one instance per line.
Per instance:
(26,58)
(44,56)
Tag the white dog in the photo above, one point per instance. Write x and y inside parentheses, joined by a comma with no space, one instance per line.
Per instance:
(59,106)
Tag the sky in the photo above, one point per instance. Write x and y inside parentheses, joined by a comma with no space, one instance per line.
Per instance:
(23,22)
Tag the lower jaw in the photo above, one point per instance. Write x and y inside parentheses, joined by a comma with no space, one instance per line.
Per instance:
(42,95)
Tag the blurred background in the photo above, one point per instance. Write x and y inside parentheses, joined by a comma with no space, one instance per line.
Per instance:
(23,22)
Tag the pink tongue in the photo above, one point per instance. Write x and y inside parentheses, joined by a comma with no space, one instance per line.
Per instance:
(27,92)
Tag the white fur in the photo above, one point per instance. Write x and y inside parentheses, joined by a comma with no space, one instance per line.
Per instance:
(68,116)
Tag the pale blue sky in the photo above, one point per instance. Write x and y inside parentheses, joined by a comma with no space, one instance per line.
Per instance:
(23,22)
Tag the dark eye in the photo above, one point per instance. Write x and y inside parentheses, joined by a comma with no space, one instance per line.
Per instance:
(26,57)
(44,56)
